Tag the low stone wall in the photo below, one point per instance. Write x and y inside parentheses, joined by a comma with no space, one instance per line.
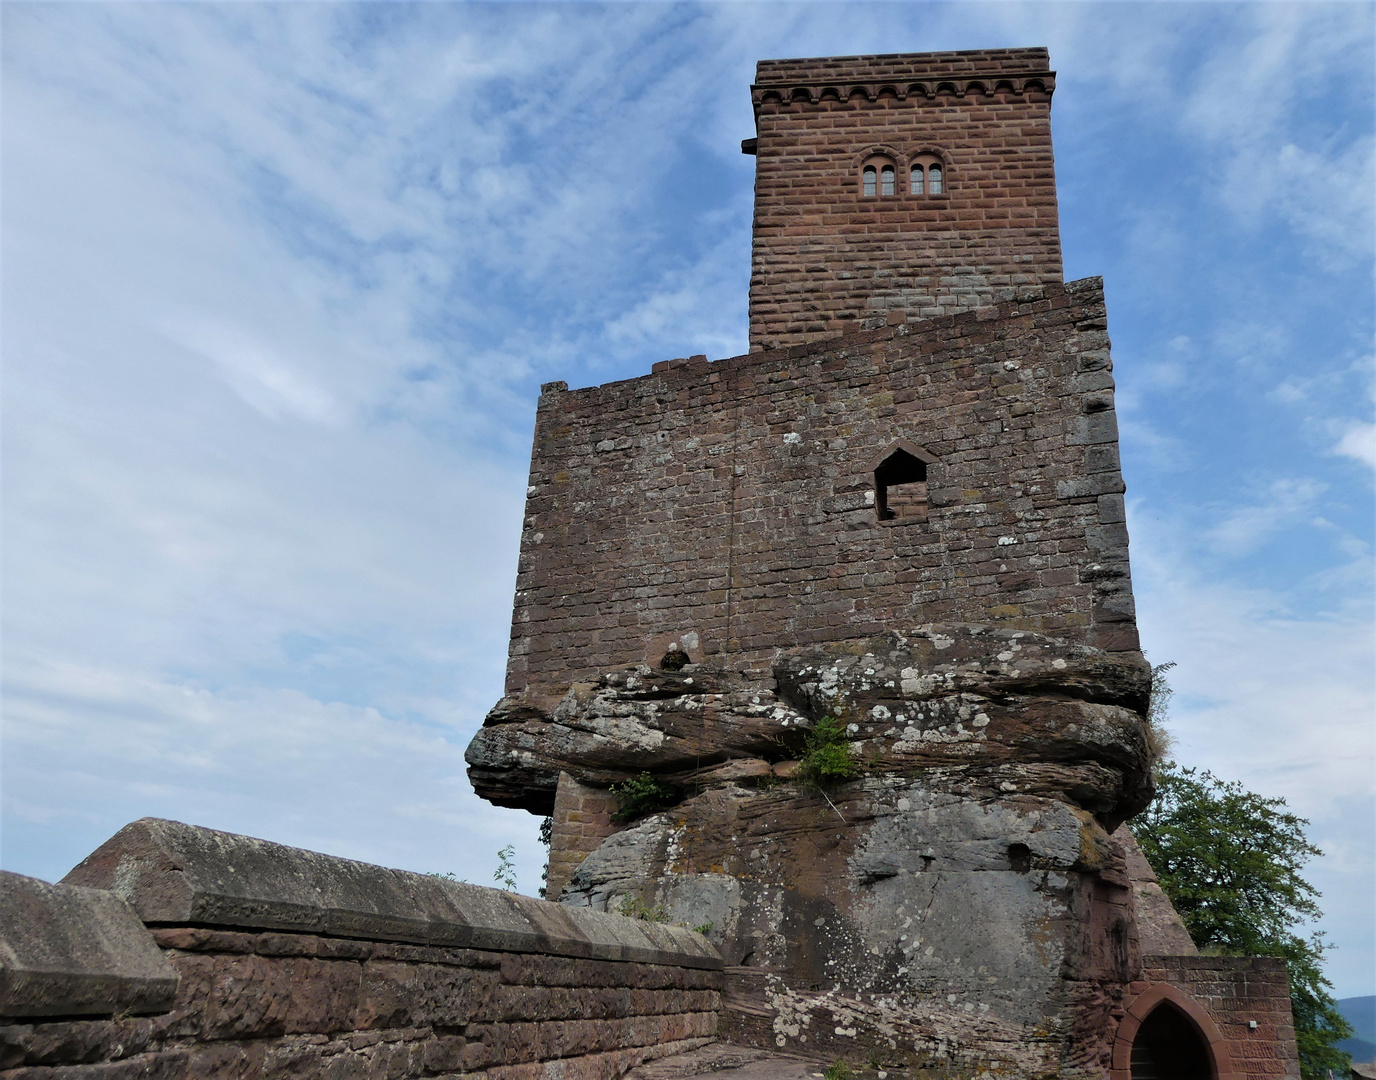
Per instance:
(257,960)
(1240,1004)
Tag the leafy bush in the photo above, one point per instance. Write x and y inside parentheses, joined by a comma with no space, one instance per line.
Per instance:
(639,796)
(829,758)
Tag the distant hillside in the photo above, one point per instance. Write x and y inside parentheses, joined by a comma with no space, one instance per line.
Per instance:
(1361,1014)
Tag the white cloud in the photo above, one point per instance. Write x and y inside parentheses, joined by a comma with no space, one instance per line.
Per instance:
(1280,701)
(1268,158)
(257,761)
(1359,442)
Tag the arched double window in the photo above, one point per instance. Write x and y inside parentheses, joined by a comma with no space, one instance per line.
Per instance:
(879,177)
(927,176)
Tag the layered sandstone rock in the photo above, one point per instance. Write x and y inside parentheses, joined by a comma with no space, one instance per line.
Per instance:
(962,903)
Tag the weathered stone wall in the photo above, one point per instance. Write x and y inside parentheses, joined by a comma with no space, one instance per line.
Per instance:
(320,967)
(729,507)
(828,259)
(581,820)
(1241,1005)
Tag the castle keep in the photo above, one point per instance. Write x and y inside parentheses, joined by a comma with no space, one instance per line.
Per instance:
(898,519)
(753,504)
(901,513)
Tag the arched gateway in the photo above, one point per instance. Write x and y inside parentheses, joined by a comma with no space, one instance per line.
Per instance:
(1167,1035)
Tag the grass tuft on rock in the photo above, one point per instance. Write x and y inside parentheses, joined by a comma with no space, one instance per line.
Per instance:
(829,758)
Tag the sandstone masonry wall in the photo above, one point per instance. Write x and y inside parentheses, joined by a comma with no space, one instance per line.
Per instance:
(827,258)
(1236,993)
(580,821)
(436,979)
(729,507)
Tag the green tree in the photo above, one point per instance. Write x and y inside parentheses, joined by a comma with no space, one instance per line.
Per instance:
(1230,861)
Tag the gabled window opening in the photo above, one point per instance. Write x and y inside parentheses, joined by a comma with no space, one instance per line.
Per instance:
(900,487)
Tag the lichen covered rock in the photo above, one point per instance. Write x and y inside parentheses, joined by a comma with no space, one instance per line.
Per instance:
(961,904)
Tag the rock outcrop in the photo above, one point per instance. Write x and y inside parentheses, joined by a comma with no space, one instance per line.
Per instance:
(961,903)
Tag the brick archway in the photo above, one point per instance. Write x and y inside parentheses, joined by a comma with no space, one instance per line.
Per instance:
(1142,1006)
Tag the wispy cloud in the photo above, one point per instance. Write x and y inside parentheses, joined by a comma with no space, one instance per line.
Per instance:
(1359,442)
(1246,527)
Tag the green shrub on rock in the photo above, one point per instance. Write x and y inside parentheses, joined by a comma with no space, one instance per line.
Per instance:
(639,796)
(829,758)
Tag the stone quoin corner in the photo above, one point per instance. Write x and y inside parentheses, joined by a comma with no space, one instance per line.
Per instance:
(824,665)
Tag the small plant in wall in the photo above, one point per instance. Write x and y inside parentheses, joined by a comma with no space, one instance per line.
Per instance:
(505,874)
(829,758)
(633,907)
(639,796)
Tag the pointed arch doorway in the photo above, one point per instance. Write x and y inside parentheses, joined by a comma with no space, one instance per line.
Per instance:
(1168,1047)
(1167,1035)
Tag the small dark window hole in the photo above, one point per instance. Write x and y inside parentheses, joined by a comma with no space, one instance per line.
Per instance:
(674,660)
(1019,858)
(900,487)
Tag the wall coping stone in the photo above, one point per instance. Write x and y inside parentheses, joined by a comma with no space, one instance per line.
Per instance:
(72,951)
(175,874)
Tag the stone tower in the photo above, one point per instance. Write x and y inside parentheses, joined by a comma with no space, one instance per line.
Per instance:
(900,513)
(920,185)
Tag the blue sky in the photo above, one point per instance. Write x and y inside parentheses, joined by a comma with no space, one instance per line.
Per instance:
(280,284)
